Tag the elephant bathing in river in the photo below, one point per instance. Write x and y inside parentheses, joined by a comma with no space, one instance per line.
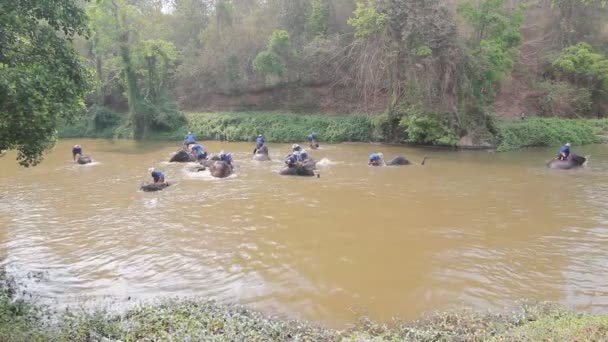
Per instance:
(572,161)
(261,154)
(304,168)
(80,159)
(399,160)
(149,187)
(183,156)
(217,167)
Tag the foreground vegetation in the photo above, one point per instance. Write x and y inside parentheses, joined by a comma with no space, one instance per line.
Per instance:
(283,127)
(198,319)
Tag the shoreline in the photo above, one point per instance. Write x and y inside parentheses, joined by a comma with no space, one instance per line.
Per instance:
(293,128)
(204,319)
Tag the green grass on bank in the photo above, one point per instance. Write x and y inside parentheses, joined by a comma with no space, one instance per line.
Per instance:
(285,127)
(203,320)
(536,132)
(276,127)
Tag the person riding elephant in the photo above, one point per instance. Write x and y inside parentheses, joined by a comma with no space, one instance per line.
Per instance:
(259,143)
(312,141)
(566,160)
(226,158)
(261,154)
(220,165)
(189,139)
(79,157)
(291,160)
(199,152)
(76,150)
(157,176)
(158,183)
(376,159)
(564,152)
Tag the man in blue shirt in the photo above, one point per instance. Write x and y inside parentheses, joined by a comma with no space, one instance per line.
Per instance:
(226,158)
(375,159)
(302,155)
(291,160)
(312,141)
(157,176)
(564,152)
(259,143)
(199,151)
(76,150)
(189,139)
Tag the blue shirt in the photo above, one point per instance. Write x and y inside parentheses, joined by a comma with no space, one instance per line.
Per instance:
(565,149)
(197,148)
(302,155)
(189,139)
(77,150)
(291,159)
(374,157)
(157,175)
(312,137)
(260,141)
(227,158)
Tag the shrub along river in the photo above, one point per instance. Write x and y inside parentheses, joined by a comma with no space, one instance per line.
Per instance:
(470,228)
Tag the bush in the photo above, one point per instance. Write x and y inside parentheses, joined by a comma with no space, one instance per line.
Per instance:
(564,100)
(278,127)
(428,128)
(104,117)
(548,132)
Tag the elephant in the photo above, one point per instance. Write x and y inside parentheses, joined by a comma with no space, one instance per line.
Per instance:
(82,160)
(571,162)
(399,161)
(217,167)
(149,187)
(305,168)
(182,156)
(261,154)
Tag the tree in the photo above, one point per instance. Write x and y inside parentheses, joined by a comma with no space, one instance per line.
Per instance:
(42,79)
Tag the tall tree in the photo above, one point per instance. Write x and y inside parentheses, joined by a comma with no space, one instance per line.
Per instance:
(42,79)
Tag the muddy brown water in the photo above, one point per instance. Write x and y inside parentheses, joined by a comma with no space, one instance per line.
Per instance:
(471,228)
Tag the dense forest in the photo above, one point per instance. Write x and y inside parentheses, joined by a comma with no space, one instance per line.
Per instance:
(427,71)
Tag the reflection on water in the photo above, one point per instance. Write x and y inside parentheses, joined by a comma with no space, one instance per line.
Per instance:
(469,228)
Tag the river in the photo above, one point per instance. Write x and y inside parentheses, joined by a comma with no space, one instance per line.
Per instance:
(470,228)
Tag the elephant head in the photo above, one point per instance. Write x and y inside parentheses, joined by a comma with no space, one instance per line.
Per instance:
(182,156)
(217,167)
(305,168)
(80,159)
(261,154)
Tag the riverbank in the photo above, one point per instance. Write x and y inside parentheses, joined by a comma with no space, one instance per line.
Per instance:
(286,127)
(200,319)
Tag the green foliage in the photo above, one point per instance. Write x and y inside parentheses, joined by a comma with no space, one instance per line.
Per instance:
(493,46)
(278,42)
(164,114)
(267,63)
(104,117)
(423,51)
(583,66)
(277,127)
(317,23)
(42,79)
(563,99)
(428,128)
(367,20)
(548,132)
